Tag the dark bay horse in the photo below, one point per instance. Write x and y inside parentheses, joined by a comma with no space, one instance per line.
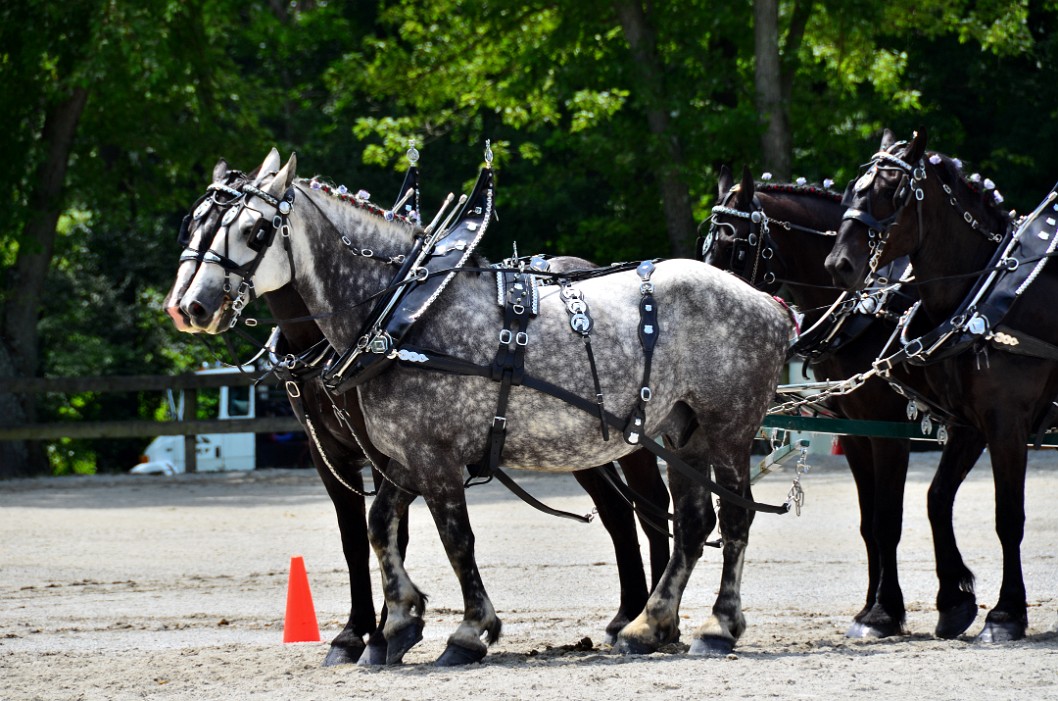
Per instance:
(338,456)
(773,235)
(990,363)
(698,352)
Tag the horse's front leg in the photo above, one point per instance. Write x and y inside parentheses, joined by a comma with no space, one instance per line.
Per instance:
(879,468)
(618,520)
(405,604)
(956,602)
(348,646)
(447,502)
(1009,619)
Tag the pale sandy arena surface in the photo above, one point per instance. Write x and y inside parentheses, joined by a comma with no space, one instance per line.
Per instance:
(174,588)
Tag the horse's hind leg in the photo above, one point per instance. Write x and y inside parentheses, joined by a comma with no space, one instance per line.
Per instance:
(618,520)
(658,624)
(447,502)
(956,603)
(405,604)
(720,632)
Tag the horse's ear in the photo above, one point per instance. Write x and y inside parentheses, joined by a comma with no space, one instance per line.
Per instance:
(725,181)
(746,188)
(270,164)
(284,178)
(917,149)
(888,139)
(220,171)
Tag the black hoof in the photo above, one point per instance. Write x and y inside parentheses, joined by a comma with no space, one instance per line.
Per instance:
(457,655)
(403,640)
(953,622)
(614,629)
(1002,629)
(712,645)
(346,653)
(629,646)
(375,653)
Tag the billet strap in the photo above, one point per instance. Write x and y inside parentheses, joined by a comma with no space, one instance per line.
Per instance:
(508,367)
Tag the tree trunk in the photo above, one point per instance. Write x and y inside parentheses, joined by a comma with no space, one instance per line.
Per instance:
(20,354)
(675,196)
(775,141)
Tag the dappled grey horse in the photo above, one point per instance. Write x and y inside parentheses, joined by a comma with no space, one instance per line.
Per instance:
(703,381)
(330,419)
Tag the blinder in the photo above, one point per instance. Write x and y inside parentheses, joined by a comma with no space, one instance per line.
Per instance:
(183,237)
(261,235)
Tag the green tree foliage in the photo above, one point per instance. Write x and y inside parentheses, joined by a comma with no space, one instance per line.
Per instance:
(586,125)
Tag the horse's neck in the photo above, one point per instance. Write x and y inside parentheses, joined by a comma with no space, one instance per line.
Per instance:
(948,256)
(804,253)
(333,279)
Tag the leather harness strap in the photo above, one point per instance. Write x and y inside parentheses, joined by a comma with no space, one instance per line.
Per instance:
(648,338)
(431,360)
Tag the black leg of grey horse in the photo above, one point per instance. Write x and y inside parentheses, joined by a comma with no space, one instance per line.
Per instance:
(405,604)
(956,602)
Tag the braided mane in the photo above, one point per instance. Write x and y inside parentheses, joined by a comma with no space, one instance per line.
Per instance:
(953,169)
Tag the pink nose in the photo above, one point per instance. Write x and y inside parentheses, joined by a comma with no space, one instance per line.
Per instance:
(180,319)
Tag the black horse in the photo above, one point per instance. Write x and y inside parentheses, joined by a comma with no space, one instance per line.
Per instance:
(339,457)
(775,235)
(989,354)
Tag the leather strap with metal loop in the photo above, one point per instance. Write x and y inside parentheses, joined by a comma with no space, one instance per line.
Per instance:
(648,338)
(581,322)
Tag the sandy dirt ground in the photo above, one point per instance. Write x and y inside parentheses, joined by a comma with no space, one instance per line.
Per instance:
(123,587)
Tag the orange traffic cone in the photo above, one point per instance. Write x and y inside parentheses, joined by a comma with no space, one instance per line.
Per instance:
(835,447)
(300,625)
